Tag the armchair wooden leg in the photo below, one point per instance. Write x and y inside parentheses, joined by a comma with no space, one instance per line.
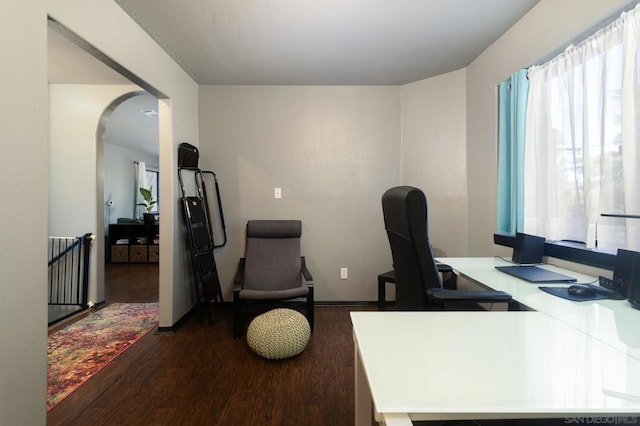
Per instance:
(237,316)
(310,308)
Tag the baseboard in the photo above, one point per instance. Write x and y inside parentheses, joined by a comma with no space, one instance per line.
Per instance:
(229,305)
(347,303)
(172,329)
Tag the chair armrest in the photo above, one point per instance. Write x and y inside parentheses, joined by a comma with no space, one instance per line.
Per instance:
(444,268)
(445,295)
(238,280)
(449,278)
(305,272)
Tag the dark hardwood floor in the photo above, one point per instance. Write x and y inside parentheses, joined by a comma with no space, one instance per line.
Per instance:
(201,375)
(131,282)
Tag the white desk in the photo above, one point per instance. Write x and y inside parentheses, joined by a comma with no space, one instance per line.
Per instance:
(613,322)
(568,359)
(475,365)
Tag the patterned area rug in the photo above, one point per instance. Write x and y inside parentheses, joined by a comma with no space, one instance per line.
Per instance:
(78,351)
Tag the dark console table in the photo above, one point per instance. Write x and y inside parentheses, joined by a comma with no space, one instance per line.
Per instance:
(133,243)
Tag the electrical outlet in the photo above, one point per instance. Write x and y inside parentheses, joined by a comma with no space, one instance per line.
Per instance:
(344,273)
(277,193)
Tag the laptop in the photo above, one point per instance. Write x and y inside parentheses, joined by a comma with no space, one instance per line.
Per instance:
(533,274)
(528,249)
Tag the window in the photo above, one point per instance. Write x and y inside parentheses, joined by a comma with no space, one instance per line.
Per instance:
(144,177)
(153,181)
(582,142)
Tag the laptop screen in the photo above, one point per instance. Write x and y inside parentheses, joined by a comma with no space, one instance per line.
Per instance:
(528,249)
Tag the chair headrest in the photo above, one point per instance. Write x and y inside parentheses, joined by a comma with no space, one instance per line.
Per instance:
(274,229)
(405,211)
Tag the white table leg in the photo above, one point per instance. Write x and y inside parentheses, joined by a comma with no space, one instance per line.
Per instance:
(397,419)
(363,393)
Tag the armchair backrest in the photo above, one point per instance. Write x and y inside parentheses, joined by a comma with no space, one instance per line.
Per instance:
(405,219)
(272,255)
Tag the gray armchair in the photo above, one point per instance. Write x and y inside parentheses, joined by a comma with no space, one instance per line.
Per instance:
(272,270)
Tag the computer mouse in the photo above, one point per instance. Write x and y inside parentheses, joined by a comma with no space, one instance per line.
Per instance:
(581,290)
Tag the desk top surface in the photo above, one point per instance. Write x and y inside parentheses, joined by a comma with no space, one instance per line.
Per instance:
(613,322)
(492,364)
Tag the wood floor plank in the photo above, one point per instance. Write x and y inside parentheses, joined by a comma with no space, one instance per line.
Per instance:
(201,375)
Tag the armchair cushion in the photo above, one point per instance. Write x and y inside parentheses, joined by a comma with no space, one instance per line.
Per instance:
(272,255)
(274,229)
(289,293)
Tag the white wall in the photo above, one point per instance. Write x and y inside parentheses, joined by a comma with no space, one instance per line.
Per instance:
(547,27)
(118,179)
(23,212)
(105,26)
(24,167)
(434,155)
(74,156)
(332,150)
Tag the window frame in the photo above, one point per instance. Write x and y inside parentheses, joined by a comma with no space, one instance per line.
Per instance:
(156,172)
(576,252)
(567,250)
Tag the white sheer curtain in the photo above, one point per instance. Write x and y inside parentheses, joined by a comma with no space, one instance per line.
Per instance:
(139,181)
(581,150)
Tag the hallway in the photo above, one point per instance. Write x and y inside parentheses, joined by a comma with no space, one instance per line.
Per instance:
(131,282)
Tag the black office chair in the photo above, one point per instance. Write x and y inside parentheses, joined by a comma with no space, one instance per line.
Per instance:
(418,281)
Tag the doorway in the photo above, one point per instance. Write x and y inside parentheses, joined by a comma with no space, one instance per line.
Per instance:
(76,195)
(129,137)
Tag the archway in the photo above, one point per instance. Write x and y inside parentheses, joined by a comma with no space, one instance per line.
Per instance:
(74,63)
(127,139)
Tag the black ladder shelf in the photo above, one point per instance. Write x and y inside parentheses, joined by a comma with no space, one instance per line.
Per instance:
(199,227)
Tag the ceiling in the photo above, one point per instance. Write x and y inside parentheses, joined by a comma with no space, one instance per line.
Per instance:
(292,42)
(328,42)
(129,127)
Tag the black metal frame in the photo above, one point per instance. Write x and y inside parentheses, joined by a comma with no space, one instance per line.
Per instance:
(68,276)
(199,227)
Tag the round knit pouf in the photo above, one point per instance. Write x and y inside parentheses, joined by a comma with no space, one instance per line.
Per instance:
(278,334)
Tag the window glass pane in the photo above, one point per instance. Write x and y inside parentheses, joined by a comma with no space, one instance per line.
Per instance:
(583,155)
(153,181)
